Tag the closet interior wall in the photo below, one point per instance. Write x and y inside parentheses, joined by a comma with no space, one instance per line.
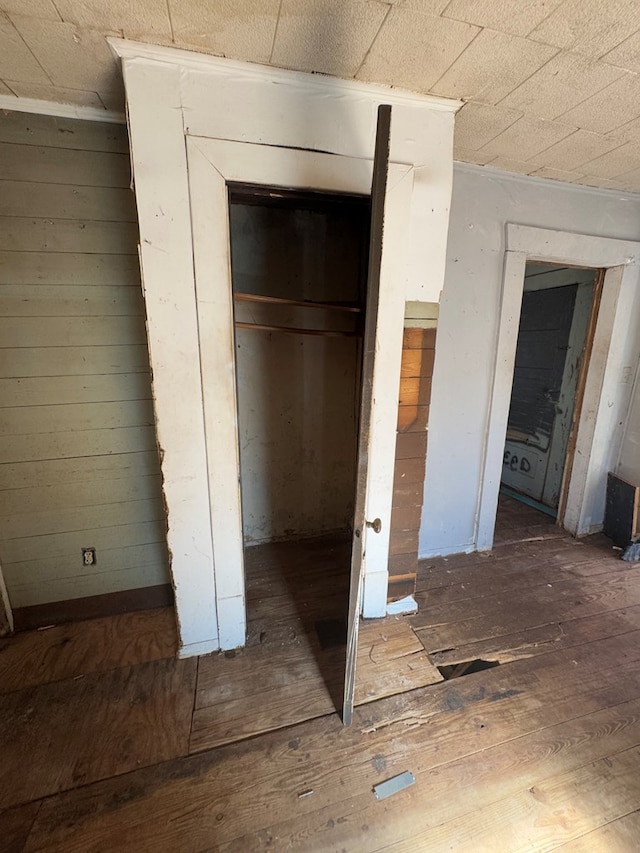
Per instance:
(298,267)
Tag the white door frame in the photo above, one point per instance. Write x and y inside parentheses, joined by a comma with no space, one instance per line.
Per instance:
(598,439)
(212,164)
(174,94)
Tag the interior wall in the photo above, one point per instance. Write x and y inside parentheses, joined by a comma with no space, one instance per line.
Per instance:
(79,459)
(483,201)
(629,467)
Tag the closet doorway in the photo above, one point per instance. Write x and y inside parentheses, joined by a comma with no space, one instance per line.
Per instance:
(299,272)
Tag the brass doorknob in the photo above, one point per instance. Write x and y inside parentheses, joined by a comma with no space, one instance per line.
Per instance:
(375,525)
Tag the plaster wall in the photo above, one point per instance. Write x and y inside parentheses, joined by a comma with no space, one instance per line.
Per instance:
(629,466)
(483,202)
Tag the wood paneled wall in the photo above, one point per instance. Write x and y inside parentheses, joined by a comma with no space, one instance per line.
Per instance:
(79,459)
(418,354)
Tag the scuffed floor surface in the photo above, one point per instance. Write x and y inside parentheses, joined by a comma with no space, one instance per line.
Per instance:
(110,743)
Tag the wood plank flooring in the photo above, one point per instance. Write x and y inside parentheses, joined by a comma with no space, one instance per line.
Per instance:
(244,751)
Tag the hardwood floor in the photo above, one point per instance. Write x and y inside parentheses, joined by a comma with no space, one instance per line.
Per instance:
(110,743)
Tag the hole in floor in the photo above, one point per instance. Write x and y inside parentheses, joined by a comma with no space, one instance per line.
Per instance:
(456,670)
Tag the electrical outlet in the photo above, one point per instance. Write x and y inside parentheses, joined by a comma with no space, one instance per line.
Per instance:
(88,556)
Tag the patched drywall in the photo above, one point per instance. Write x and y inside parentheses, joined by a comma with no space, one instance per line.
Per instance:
(483,201)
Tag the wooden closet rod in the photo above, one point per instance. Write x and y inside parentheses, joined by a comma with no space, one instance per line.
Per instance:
(291,330)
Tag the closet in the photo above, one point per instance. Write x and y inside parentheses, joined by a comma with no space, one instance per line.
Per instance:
(298,265)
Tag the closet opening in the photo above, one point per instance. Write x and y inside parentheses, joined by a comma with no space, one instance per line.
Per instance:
(557,323)
(299,269)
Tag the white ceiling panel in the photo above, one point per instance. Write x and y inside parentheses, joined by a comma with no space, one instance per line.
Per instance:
(135,18)
(575,150)
(413,50)
(33,8)
(528,137)
(529,72)
(240,29)
(556,174)
(507,164)
(609,108)
(508,16)
(478,124)
(566,80)
(17,62)
(492,66)
(614,163)
(72,58)
(593,27)
(321,36)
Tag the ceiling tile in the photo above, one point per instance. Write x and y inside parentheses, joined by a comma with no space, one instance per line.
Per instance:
(563,82)
(630,131)
(592,27)
(33,8)
(463,155)
(493,65)
(5,90)
(556,174)
(77,97)
(615,162)
(477,124)
(610,108)
(574,150)
(626,54)
(142,19)
(427,7)
(593,181)
(414,50)
(630,180)
(509,16)
(325,36)
(241,30)
(16,60)
(526,137)
(506,164)
(72,57)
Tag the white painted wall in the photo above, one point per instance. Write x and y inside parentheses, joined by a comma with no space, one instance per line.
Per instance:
(78,459)
(483,202)
(629,466)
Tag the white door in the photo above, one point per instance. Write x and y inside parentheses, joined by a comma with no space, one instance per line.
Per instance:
(363,528)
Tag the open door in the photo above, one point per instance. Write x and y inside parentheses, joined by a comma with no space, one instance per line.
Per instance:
(361,527)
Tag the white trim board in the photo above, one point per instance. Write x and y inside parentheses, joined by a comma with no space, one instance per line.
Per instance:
(188,59)
(598,439)
(51,108)
(307,131)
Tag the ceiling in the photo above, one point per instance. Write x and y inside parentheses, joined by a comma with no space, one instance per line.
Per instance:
(552,87)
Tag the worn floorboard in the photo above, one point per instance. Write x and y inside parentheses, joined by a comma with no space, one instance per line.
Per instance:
(69,733)
(539,753)
(78,649)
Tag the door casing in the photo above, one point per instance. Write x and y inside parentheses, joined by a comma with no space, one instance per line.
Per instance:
(211,165)
(598,437)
